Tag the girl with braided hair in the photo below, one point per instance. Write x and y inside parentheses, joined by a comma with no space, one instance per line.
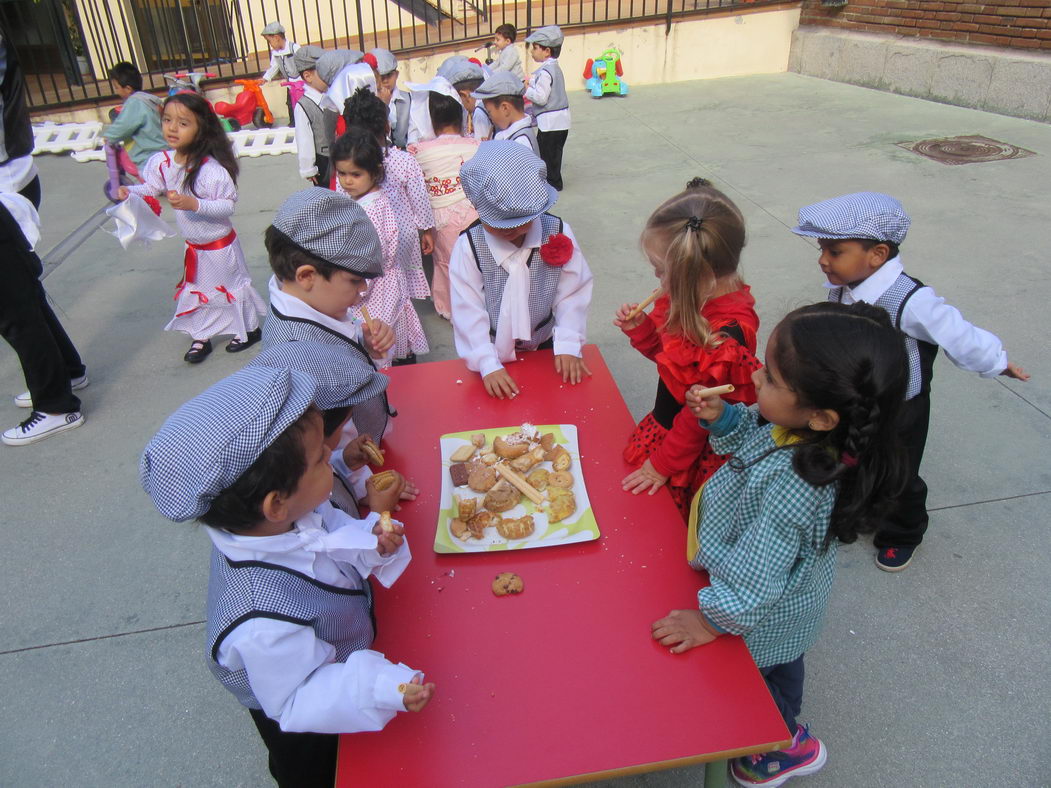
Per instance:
(818,463)
(701,332)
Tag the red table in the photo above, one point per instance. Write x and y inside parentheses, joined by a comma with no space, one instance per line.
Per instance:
(562,683)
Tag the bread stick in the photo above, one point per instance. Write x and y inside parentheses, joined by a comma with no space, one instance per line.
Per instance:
(634,313)
(524,487)
(365,314)
(714,391)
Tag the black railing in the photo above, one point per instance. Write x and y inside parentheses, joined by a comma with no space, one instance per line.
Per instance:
(67,46)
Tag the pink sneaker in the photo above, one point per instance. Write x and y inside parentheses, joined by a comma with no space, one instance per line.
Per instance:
(806,756)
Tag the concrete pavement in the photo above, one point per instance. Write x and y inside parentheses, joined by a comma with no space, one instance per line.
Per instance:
(938,676)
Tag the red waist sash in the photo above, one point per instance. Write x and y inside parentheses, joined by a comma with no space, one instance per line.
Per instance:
(189,264)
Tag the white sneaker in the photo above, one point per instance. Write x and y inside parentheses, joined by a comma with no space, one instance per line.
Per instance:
(41,425)
(24,400)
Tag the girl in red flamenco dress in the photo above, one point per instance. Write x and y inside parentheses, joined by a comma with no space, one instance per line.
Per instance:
(702,331)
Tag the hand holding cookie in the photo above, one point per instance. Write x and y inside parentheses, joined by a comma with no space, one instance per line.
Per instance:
(378,336)
(389,533)
(383,491)
(354,454)
(417,694)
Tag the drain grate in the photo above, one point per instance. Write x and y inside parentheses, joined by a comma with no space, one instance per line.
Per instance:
(966,150)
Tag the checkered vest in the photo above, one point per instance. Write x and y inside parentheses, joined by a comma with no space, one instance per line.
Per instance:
(242,590)
(530,133)
(543,281)
(369,417)
(921,354)
(323,127)
(558,98)
(399,133)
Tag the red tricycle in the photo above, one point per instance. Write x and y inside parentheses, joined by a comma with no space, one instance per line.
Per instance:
(249,106)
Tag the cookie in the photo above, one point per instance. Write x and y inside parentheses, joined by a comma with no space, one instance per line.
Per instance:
(547,441)
(559,458)
(463,453)
(539,478)
(507,583)
(481,478)
(502,447)
(501,498)
(458,528)
(563,479)
(563,504)
(458,472)
(478,440)
(527,461)
(521,528)
(465,507)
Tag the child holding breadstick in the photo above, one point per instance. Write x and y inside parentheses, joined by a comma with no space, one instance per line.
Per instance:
(818,468)
(702,331)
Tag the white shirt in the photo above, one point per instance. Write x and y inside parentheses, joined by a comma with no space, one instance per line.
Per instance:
(518,125)
(295,675)
(471,320)
(290,306)
(397,96)
(483,124)
(276,64)
(305,152)
(539,91)
(928,318)
(15,174)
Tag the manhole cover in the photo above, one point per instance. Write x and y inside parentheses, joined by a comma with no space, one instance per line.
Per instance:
(966,150)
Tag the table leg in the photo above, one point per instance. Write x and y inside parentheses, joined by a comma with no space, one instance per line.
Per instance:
(715,774)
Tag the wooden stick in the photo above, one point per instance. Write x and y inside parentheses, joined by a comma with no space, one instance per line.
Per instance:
(634,313)
(715,391)
(524,487)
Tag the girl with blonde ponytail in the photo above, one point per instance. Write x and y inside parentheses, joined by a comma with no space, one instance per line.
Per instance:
(702,331)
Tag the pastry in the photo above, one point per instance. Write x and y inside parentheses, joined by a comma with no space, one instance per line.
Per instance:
(458,528)
(459,472)
(477,524)
(501,498)
(489,458)
(547,441)
(559,458)
(516,529)
(481,478)
(381,481)
(463,453)
(507,583)
(386,524)
(527,461)
(504,447)
(563,479)
(465,507)
(372,452)
(562,504)
(539,478)
(478,440)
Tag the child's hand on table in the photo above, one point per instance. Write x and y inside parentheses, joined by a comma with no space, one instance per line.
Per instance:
(389,542)
(501,385)
(642,479)
(427,241)
(707,408)
(1015,371)
(571,368)
(183,202)
(417,694)
(622,322)
(682,630)
(385,500)
(379,337)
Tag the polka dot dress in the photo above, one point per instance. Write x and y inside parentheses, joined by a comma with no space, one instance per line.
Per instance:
(411,206)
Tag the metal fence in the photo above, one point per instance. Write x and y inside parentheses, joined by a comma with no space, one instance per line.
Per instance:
(66,47)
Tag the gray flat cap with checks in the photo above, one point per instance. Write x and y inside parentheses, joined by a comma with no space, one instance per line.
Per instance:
(871,215)
(550,36)
(505,181)
(333,227)
(385,60)
(500,83)
(334,61)
(307,56)
(273,29)
(459,69)
(343,379)
(207,444)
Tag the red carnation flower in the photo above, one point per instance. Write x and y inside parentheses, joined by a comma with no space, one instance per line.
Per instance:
(557,250)
(155,206)
(371,60)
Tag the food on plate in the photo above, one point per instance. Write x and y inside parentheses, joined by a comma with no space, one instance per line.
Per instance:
(386,524)
(519,528)
(465,507)
(463,453)
(563,504)
(562,479)
(539,478)
(372,452)
(478,440)
(477,524)
(518,481)
(501,498)
(527,461)
(481,478)
(508,449)
(508,583)
(459,472)
(547,441)
(458,528)
(559,457)
(489,458)
(381,481)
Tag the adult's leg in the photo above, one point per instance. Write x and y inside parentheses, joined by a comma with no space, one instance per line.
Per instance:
(785,683)
(298,760)
(907,524)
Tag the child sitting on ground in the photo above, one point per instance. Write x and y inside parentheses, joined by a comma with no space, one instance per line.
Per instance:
(859,235)
(323,250)
(358,161)
(440,160)
(702,331)
(502,96)
(550,104)
(817,463)
(139,120)
(315,126)
(290,613)
(519,280)
(507,60)
(215,296)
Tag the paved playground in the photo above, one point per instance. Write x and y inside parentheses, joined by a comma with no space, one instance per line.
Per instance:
(938,676)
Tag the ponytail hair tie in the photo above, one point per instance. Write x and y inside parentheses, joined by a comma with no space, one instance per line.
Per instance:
(694,223)
(848,459)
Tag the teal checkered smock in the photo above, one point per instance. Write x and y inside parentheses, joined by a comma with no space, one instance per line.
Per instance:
(761,531)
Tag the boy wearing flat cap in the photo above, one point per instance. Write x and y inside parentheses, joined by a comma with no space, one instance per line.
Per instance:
(550,104)
(502,95)
(385,64)
(315,126)
(323,250)
(465,75)
(519,280)
(282,60)
(290,615)
(859,235)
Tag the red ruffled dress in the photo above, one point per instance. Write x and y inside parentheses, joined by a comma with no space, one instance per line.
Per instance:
(670,435)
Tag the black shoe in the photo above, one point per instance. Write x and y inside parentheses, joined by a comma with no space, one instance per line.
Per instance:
(894,559)
(401,362)
(236,345)
(198,351)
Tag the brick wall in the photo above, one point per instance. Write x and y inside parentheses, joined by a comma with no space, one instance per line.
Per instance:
(1009,23)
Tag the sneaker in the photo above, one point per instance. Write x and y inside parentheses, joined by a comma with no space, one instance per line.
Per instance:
(894,559)
(806,756)
(24,400)
(41,425)
(236,345)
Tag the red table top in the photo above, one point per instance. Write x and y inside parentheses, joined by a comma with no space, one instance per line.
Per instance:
(563,680)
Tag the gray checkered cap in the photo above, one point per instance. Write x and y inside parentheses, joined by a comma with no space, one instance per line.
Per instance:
(207,444)
(549,36)
(385,60)
(333,227)
(500,83)
(872,215)
(273,29)
(459,69)
(334,61)
(307,56)
(506,183)
(343,379)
